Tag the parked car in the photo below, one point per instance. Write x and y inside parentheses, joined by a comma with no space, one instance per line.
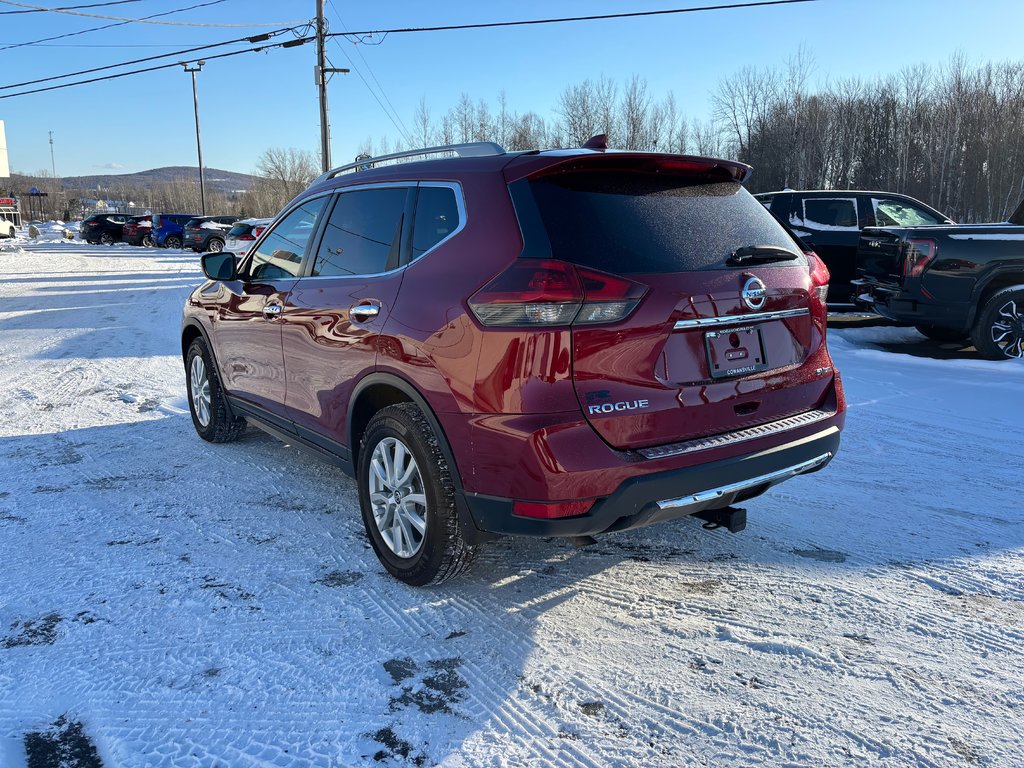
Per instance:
(830,222)
(951,282)
(10,216)
(207,233)
(167,229)
(138,230)
(558,343)
(106,228)
(241,236)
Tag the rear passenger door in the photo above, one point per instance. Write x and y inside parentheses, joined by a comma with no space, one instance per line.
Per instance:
(335,312)
(831,226)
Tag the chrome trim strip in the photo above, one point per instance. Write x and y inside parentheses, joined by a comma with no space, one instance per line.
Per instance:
(712,494)
(753,317)
(739,436)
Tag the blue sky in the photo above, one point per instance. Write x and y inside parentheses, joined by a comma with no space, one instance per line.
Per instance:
(254,101)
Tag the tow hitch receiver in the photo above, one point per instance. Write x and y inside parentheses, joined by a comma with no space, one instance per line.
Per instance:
(732,518)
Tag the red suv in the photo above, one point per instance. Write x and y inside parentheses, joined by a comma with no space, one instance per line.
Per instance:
(557,343)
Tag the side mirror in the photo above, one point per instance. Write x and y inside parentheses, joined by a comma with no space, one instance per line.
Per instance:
(219,266)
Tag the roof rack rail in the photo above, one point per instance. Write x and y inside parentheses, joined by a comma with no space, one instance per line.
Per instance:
(473,149)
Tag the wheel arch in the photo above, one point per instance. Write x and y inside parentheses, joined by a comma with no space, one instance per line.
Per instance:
(1005,277)
(378,390)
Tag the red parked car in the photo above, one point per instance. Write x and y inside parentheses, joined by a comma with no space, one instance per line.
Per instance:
(138,230)
(557,343)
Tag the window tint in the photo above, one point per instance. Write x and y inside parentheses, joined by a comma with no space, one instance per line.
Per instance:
(628,223)
(240,229)
(280,254)
(363,234)
(437,216)
(900,213)
(829,213)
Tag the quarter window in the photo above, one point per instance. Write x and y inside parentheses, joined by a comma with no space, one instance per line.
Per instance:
(824,213)
(363,235)
(279,256)
(437,216)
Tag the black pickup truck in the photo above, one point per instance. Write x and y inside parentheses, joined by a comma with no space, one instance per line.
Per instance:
(951,282)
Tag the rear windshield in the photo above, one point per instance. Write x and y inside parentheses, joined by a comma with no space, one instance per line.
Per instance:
(627,223)
(191,223)
(240,229)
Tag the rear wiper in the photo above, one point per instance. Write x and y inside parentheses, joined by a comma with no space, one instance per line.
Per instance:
(760,253)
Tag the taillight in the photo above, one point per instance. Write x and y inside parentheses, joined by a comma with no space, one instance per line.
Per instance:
(920,253)
(545,292)
(246,237)
(549,510)
(258,231)
(819,276)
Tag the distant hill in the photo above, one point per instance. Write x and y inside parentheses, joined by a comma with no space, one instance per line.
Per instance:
(216,179)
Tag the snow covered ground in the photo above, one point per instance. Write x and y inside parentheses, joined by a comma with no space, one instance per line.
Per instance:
(166,602)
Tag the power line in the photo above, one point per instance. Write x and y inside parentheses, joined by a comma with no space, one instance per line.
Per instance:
(145,19)
(286,44)
(560,20)
(401,129)
(106,26)
(69,7)
(251,39)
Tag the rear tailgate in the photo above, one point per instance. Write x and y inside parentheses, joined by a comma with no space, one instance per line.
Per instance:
(880,256)
(694,358)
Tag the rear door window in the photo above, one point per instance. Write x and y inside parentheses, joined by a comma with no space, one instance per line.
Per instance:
(890,212)
(280,254)
(363,235)
(828,213)
(631,223)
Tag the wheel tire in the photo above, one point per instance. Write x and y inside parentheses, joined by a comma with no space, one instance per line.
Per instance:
(147,241)
(1001,318)
(173,242)
(220,426)
(941,334)
(216,245)
(443,551)
(107,239)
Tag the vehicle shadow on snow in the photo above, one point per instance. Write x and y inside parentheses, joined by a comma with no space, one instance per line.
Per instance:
(249,565)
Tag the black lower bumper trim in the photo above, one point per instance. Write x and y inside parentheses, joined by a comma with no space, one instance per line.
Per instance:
(649,499)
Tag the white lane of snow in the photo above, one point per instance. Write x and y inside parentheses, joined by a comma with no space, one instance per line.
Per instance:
(199,605)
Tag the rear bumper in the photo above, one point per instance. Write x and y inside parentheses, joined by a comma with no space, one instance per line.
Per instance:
(909,307)
(654,498)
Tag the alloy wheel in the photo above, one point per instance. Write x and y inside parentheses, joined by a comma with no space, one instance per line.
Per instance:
(216,246)
(199,382)
(1008,330)
(397,497)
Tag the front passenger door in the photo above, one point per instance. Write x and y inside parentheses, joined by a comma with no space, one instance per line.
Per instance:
(246,323)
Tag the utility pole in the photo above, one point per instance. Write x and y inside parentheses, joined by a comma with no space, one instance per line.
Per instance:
(321,82)
(198,67)
(53,169)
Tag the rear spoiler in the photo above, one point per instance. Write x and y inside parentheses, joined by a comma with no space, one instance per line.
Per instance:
(545,165)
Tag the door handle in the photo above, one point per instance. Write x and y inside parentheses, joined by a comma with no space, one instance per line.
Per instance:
(270,311)
(364,312)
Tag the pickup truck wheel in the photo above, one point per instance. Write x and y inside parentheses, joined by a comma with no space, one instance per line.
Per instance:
(211,415)
(408,499)
(941,334)
(999,332)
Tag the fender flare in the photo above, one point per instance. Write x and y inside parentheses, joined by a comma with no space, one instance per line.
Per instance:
(466,520)
(985,281)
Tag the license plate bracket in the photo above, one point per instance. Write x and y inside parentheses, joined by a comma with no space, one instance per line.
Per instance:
(735,352)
